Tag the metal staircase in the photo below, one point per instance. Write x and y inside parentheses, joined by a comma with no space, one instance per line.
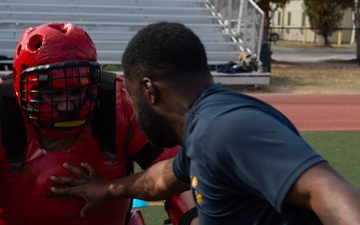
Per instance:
(112,23)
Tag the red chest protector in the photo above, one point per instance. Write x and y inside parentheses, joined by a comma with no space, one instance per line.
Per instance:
(25,197)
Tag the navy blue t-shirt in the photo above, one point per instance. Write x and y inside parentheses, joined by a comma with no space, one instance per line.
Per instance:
(241,157)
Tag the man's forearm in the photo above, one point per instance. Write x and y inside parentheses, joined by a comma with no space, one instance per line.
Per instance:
(330,196)
(156,183)
(340,205)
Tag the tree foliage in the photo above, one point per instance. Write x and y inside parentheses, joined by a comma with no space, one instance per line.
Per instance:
(325,16)
(265,6)
(356,10)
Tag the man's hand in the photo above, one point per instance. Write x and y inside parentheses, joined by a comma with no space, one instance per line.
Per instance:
(89,186)
(158,182)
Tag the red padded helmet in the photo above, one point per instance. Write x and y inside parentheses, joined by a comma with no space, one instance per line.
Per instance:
(55,64)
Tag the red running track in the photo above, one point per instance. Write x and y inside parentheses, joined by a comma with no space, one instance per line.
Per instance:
(317,112)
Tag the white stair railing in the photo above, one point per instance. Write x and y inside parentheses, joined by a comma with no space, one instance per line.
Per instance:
(245,20)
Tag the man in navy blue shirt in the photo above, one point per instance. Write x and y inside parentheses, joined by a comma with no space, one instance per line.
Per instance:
(244,162)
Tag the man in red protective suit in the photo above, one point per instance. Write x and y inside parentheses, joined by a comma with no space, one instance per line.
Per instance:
(56,82)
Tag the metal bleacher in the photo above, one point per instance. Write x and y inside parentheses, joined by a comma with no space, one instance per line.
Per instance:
(112,23)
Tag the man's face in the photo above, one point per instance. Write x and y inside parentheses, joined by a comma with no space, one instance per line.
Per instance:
(65,103)
(151,123)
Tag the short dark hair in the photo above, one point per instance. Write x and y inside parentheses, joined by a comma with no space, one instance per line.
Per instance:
(166,50)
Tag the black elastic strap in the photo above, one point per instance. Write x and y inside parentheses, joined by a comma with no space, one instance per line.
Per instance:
(129,171)
(12,126)
(147,155)
(104,123)
(188,216)
(128,213)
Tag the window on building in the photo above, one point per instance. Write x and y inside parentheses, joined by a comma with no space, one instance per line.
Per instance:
(279,18)
(303,19)
(289,19)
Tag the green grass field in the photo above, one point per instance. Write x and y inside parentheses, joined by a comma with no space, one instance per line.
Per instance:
(340,148)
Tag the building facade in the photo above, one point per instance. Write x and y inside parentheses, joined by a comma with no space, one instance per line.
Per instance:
(292,24)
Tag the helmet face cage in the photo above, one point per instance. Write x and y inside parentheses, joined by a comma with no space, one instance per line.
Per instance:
(74,85)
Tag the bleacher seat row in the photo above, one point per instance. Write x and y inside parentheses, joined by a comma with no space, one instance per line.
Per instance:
(112,23)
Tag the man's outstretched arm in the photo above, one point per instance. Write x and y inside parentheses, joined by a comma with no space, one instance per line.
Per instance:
(156,183)
(330,196)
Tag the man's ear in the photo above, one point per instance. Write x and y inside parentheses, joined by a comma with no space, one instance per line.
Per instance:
(151,90)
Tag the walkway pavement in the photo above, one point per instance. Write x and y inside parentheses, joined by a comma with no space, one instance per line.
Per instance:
(313,55)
